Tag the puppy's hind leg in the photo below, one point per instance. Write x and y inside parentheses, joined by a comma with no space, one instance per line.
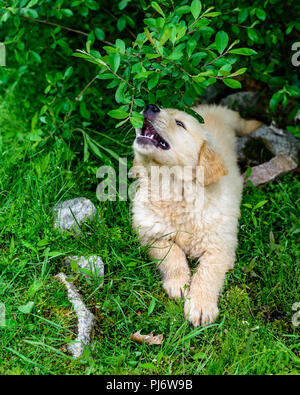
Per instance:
(172,264)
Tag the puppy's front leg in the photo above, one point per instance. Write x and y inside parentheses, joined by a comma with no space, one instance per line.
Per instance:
(201,305)
(173,265)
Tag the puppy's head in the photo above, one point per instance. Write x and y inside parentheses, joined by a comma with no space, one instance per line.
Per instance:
(171,137)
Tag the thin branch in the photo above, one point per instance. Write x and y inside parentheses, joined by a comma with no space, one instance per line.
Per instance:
(63,27)
(120,78)
(79,96)
(218,57)
(86,87)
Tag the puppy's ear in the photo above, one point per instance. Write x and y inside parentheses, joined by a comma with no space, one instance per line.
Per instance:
(211,164)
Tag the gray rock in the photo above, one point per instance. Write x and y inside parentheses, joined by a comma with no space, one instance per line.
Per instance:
(70,214)
(276,167)
(242,101)
(273,140)
(85,319)
(93,263)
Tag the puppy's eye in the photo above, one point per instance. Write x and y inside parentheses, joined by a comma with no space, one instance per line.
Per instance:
(180,124)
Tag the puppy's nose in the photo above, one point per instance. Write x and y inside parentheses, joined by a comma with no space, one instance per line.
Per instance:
(151,109)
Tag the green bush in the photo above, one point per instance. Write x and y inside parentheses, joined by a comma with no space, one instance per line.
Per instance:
(135,52)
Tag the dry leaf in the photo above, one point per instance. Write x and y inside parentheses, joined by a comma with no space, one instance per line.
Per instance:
(149,339)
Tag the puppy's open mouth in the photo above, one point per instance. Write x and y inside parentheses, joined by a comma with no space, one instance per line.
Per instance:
(150,136)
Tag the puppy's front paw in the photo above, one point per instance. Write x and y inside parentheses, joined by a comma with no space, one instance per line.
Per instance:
(199,311)
(177,287)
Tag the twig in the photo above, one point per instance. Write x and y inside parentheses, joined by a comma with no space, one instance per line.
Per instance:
(63,27)
(86,87)
(218,57)
(79,96)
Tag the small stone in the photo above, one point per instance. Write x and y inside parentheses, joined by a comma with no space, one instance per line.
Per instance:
(276,167)
(69,215)
(85,319)
(93,263)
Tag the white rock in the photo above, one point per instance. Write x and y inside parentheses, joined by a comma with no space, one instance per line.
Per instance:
(93,263)
(85,319)
(70,214)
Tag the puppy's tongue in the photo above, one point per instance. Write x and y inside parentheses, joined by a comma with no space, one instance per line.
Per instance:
(150,133)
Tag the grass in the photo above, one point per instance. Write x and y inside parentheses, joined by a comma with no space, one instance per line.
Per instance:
(252,335)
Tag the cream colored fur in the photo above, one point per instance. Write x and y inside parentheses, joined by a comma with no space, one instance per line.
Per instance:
(200,226)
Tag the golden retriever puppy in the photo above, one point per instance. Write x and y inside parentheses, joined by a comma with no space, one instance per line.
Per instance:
(188,200)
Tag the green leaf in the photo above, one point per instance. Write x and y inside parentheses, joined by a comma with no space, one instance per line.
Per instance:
(36,57)
(118,114)
(275,100)
(232,83)
(68,73)
(32,3)
(260,14)
(84,112)
(252,35)
(157,8)
(151,306)
(196,8)
(243,51)
(142,75)
(99,33)
(114,61)
(212,14)
(191,45)
(260,204)
(123,4)
(93,147)
(238,72)
(137,120)
(153,80)
(194,114)
(221,41)
(121,23)
(165,37)
(185,9)
(119,95)
(26,308)
(139,102)
(32,13)
(243,15)
(152,55)
(67,12)
(120,45)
